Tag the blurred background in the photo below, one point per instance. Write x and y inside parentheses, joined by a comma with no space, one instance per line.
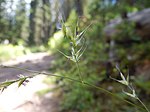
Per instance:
(31,35)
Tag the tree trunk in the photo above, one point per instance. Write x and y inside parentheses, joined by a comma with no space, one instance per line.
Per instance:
(79,7)
(33,6)
(46,21)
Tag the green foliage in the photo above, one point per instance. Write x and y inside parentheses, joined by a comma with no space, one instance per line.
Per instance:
(55,41)
(126,82)
(143,84)
(92,62)
(67,68)
(35,49)
(72,101)
(14,51)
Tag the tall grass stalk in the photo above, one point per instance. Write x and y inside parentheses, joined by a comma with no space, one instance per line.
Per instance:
(4,85)
(126,82)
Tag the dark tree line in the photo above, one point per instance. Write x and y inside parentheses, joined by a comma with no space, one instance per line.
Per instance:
(33,22)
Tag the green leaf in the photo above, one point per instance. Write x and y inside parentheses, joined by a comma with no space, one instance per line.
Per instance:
(81,34)
(21,82)
(76,28)
(81,53)
(64,54)
(81,49)
(72,51)
(6,84)
(80,37)
(68,57)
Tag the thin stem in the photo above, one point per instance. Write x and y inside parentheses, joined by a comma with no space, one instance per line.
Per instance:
(131,88)
(77,65)
(36,72)
(143,104)
(74,80)
(112,94)
(80,74)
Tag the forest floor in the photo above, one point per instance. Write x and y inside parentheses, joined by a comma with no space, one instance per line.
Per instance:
(25,98)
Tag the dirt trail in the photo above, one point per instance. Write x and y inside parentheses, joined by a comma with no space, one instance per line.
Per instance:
(24,99)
